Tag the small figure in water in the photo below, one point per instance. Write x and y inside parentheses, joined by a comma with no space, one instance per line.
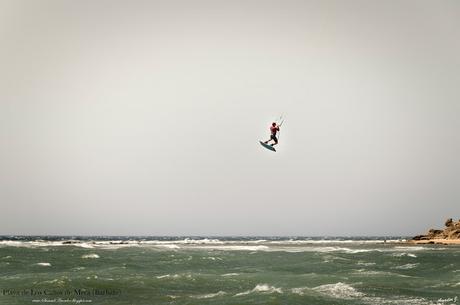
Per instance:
(273,129)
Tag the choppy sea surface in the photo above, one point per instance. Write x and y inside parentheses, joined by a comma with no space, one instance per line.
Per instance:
(226,270)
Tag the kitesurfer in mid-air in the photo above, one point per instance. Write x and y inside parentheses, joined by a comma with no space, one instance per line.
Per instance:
(273,129)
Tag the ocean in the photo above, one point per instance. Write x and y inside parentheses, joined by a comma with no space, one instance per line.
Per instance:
(226,270)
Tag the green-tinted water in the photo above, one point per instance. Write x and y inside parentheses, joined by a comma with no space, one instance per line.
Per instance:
(228,272)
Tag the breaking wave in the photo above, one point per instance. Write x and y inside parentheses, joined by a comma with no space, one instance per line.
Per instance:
(210,295)
(339,290)
(93,255)
(261,288)
(406,266)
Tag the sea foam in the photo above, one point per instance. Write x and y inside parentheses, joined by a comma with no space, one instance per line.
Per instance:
(404,254)
(300,290)
(93,255)
(261,288)
(406,266)
(339,290)
(210,295)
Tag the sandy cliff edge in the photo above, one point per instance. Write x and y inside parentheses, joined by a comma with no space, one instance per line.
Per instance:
(450,235)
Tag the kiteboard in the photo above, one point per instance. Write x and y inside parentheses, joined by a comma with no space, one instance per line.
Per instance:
(267,146)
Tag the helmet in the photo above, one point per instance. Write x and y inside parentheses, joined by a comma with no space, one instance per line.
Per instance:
(273,124)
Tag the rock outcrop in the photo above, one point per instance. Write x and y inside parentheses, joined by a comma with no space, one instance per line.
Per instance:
(451,231)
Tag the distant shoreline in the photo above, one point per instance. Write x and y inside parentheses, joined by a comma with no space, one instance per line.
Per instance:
(439,241)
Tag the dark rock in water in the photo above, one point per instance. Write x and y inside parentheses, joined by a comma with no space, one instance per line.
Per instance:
(69,242)
(432,233)
(449,222)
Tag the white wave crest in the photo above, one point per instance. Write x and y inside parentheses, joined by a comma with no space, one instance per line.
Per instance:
(210,295)
(59,281)
(329,249)
(293,245)
(174,276)
(339,290)
(189,241)
(267,288)
(406,266)
(203,241)
(299,290)
(212,258)
(378,273)
(170,246)
(42,243)
(404,254)
(92,255)
(332,241)
(410,248)
(44,264)
(237,248)
(84,245)
(261,288)
(365,263)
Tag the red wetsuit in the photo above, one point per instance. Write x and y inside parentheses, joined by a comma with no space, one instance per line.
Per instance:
(274,130)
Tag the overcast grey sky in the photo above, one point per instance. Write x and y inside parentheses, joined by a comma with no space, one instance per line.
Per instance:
(143,117)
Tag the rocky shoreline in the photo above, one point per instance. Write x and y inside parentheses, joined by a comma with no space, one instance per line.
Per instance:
(450,235)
